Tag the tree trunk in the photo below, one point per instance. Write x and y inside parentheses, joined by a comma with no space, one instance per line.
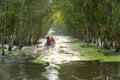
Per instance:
(29,40)
(2,42)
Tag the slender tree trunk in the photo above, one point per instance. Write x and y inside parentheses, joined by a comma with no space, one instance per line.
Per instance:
(117,46)
(2,44)
(97,41)
(29,40)
(5,21)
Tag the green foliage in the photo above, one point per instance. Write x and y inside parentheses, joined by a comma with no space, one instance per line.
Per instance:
(93,21)
(23,21)
(37,61)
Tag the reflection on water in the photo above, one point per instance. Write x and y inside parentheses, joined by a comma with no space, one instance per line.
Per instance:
(91,70)
(51,73)
(21,71)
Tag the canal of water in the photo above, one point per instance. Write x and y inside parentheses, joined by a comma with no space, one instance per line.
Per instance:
(82,70)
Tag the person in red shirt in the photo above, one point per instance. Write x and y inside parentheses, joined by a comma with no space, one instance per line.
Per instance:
(52,41)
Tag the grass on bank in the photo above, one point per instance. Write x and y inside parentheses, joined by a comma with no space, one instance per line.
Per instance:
(93,52)
(37,60)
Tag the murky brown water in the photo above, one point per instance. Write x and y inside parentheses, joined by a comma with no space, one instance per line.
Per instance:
(90,70)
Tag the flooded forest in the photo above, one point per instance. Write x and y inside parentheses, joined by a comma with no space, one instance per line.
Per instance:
(59,39)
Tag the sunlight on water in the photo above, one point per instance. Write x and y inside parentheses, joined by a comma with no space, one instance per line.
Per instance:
(54,55)
(51,73)
(50,32)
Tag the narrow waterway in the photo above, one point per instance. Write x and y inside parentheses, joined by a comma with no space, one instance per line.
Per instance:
(90,70)
(62,64)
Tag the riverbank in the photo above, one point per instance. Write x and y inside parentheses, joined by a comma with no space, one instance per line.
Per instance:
(17,56)
(93,52)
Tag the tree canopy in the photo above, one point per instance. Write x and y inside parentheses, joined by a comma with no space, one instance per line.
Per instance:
(93,21)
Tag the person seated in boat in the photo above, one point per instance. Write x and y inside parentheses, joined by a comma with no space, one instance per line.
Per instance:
(50,41)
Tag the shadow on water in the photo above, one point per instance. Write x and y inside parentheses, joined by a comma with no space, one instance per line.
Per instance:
(21,71)
(89,70)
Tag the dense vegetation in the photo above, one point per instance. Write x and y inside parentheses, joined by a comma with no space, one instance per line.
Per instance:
(23,22)
(93,21)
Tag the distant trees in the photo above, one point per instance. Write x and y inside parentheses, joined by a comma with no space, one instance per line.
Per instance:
(94,21)
(22,21)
